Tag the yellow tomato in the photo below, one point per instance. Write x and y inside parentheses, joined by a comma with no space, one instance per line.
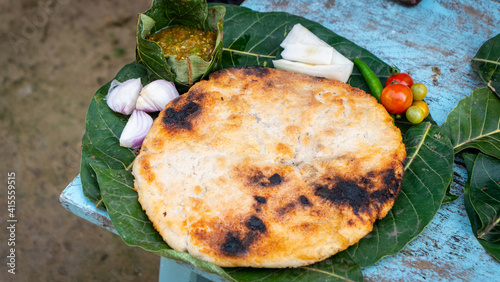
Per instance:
(423,106)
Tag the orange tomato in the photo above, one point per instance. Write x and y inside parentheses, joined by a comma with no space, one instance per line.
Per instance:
(396,98)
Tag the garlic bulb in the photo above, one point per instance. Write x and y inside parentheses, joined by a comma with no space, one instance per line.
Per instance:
(122,96)
(156,95)
(136,129)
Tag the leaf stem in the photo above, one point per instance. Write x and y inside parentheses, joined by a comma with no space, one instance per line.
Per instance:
(327,273)
(248,53)
(98,203)
(457,146)
(130,165)
(488,228)
(486,61)
(490,86)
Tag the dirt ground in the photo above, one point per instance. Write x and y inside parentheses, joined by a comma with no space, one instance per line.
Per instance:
(54,54)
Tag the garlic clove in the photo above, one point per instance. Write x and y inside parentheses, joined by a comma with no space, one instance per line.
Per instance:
(136,129)
(156,95)
(122,96)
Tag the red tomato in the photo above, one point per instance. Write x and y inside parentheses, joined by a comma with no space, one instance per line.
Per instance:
(396,98)
(400,78)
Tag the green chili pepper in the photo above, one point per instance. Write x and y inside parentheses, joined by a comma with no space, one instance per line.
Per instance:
(370,77)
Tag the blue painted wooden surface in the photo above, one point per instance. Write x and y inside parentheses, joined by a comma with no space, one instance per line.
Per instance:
(434,42)
(73,200)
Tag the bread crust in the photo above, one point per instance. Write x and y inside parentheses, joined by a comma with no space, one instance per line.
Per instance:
(266,168)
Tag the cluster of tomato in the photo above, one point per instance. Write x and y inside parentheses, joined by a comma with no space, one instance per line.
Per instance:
(401,95)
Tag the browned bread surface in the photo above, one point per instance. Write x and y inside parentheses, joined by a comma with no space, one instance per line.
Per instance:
(267,168)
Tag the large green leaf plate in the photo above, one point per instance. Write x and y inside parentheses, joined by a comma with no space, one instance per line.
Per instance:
(475,123)
(252,38)
(482,200)
(487,63)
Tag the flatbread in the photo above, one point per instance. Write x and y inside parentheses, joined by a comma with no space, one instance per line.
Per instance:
(267,168)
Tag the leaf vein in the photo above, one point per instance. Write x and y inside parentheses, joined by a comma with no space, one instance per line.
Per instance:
(419,145)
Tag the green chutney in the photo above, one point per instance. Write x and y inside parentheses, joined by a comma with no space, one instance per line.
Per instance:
(182,41)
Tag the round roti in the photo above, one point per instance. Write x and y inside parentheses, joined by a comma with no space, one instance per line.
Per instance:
(267,168)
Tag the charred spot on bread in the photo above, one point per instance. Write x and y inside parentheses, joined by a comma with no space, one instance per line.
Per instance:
(181,119)
(393,183)
(286,209)
(275,179)
(257,71)
(357,194)
(258,178)
(256,224)
(260,200)
(392,180)
(233,245)
(304,201)
(344,192)
(196,94)
(236,244)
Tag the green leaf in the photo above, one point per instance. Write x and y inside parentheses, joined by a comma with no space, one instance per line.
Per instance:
(487,63)
(449,197)
(90,186)
(333,269)
(475,123)
(482,202)
(124,209)
(469,157)
(428,173)
(191,13)
(188,13)
(485,196)
(100,143)
(403,124)
(158,13)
